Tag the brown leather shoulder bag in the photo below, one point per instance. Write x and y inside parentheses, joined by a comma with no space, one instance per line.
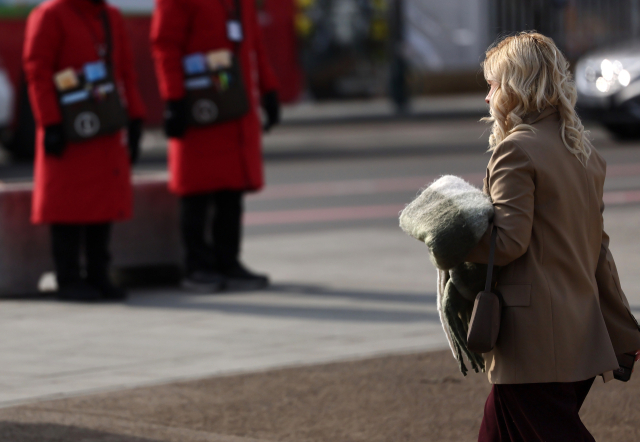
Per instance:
(487,310)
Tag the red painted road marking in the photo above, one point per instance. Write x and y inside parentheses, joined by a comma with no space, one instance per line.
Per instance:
(389,185)
(322,215)
(385,211)
(623,169)
(354,187)
(621,197)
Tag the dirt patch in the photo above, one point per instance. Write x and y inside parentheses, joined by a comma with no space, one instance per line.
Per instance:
(419,397)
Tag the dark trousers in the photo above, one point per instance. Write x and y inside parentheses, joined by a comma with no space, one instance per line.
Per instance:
(536,412)
(70,240)
(211,226)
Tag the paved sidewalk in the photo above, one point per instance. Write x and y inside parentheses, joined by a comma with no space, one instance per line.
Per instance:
(337,295)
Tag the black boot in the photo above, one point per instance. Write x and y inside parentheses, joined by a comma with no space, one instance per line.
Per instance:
(65,242)
(97,253)
(202,275)
(227,236)
(238,277)
(79,291)
(226,230)
(204,281)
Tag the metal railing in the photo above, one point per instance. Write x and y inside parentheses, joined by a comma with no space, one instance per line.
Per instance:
(576,25)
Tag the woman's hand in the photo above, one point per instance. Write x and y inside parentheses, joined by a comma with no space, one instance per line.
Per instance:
(638,356)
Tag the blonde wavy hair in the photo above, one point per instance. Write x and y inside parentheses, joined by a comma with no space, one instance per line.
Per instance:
(532,75)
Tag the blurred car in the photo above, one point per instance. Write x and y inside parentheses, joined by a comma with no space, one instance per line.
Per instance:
(608,84)
(6,101)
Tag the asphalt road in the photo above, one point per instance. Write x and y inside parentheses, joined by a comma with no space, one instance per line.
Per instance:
(362,174)
(356,178)
(347,283)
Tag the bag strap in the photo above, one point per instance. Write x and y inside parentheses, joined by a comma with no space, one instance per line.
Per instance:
(237,44)
(108,43)
(236,14)
(492,252)
(107,37)
(238,4)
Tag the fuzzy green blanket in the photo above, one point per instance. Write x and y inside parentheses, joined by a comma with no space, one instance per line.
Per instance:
(450,216)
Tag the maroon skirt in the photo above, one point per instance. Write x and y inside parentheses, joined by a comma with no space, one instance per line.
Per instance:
(535,412)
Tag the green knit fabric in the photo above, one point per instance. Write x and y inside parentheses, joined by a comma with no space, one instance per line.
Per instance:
(450,216)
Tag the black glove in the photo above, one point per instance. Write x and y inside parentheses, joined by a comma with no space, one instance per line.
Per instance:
(54,142)
(134,133)
(271,106)
(175,118)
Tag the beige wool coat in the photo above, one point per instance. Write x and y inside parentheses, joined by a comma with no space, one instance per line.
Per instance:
(565,317)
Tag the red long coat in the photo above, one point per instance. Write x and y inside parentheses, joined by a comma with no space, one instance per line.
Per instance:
(227,155)
(91,182)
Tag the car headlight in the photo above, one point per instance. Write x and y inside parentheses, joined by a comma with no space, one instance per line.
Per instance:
(602,84)
(606,68)
(605,77)
(624,78)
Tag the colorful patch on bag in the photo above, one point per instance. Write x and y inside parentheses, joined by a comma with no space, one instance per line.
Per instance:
(217,60)
(194,64)
(74,97)
(224,81)
(66,79)
(95,71)
(198,83)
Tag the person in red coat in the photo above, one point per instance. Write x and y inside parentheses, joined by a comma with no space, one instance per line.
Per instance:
(80,187)
(213,166)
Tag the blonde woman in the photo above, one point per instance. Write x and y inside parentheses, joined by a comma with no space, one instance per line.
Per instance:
(565,317)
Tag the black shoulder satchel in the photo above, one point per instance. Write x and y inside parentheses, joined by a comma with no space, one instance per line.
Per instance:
(487,310)
(218,94)
(94,108)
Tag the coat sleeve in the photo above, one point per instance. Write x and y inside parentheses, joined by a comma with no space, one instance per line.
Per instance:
(169,31)
(622,326)
(135,105)
(43,40)
(511,185)
(267,80)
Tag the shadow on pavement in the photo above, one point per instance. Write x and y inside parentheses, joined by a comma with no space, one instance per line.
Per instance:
(314,290)
(295,293)
(45,432)
(223,303)
(311,313)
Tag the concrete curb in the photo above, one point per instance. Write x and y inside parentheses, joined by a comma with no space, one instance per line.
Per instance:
(381,109)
